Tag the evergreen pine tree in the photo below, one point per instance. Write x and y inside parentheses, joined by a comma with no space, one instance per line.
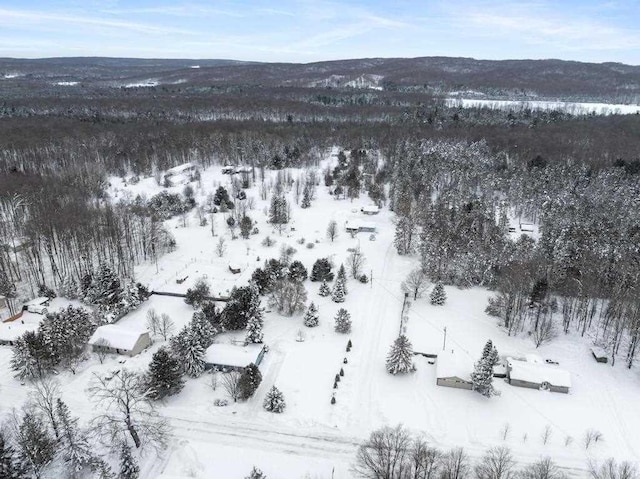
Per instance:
(343,321)
(249,381)
(254,331)
(482,375)
(400,357)
(203,329)
(164,377)
(342,274)
(74,446)
(9,467)
(306,198)
(256,474)
(129,468)
(274,401)
(311,316)
(438,295)
(324,289)
(297,271)
(36,447)
(490,354)
(193,355)
(321,270)
(339,291)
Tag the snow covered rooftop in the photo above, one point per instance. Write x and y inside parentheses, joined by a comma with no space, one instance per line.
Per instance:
(450,364)
(232,355)
(176,170)
(12,330)
(538,373)
(370,209)
(117,337)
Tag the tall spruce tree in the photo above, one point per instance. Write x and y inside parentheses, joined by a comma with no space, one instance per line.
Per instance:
(36,446)
(400,357)
(438,296)
(9,466)
(482,375)
(164,377)
(193,364)
(339,291)
(129,468)
(274,401)
(324,289)
(249,381)
(311,316)
(254,330)
(343,321)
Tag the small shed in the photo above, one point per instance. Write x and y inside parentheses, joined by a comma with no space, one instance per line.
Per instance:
(234,268)
(228,169)
(453,371)
(526,227)
(535,375)
(235,357)
(120,340)
(600,355)
(370,210)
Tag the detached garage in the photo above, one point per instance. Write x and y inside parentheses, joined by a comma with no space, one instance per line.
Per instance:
(116,339)
(453,371)
(233,357)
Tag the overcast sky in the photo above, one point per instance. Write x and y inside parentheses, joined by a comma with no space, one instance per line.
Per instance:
(307,31)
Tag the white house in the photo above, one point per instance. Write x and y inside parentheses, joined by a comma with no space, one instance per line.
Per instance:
(120,340)
(235,357)
(537,375)
(185,170)
(370,210)
(360,227)
(453,370)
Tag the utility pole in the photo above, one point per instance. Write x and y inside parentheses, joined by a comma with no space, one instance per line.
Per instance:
(444,342)
(371,278)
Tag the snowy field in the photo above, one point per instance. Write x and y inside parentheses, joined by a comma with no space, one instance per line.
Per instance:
(314,438)
(579,108)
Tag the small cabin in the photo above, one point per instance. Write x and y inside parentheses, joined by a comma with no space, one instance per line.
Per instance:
(526,227)
(234,268)
(600,355)
(370,210)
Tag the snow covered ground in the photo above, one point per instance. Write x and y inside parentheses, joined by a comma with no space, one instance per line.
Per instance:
(314,438)
(577,108)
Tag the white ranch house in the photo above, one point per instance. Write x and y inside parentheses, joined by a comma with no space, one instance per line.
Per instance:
(236,357)
(535,374)
(120,340)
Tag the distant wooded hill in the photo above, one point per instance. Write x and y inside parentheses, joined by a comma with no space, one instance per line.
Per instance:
(522,79)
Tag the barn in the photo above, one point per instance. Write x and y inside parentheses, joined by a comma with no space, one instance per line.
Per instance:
(535,375)
(453,371)
(117,339)
(233,357)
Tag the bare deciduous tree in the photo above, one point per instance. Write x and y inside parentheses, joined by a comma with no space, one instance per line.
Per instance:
(545,468)
(221,247)
(355,262)
(416,283)
(101,348)
(153,321)
(43,396)
(497,463)
(591,436)
(610,469)
(127,411)
(231,384)
(332,230)
(544,331)
(455,464)
(165,326)
(384,455)
(288,297)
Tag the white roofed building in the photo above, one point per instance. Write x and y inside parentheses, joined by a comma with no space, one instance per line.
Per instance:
(453,370)
(120,340)
(536,375)
(235,357)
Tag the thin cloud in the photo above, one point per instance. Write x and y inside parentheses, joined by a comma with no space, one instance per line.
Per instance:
(10,17)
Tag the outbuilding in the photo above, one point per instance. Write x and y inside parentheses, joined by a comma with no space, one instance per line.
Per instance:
(120,340)
(600,355)
(535,375)
(233,357)
(453,371)
(370,210)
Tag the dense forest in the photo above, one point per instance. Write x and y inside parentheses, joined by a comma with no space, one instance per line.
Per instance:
(453,175)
